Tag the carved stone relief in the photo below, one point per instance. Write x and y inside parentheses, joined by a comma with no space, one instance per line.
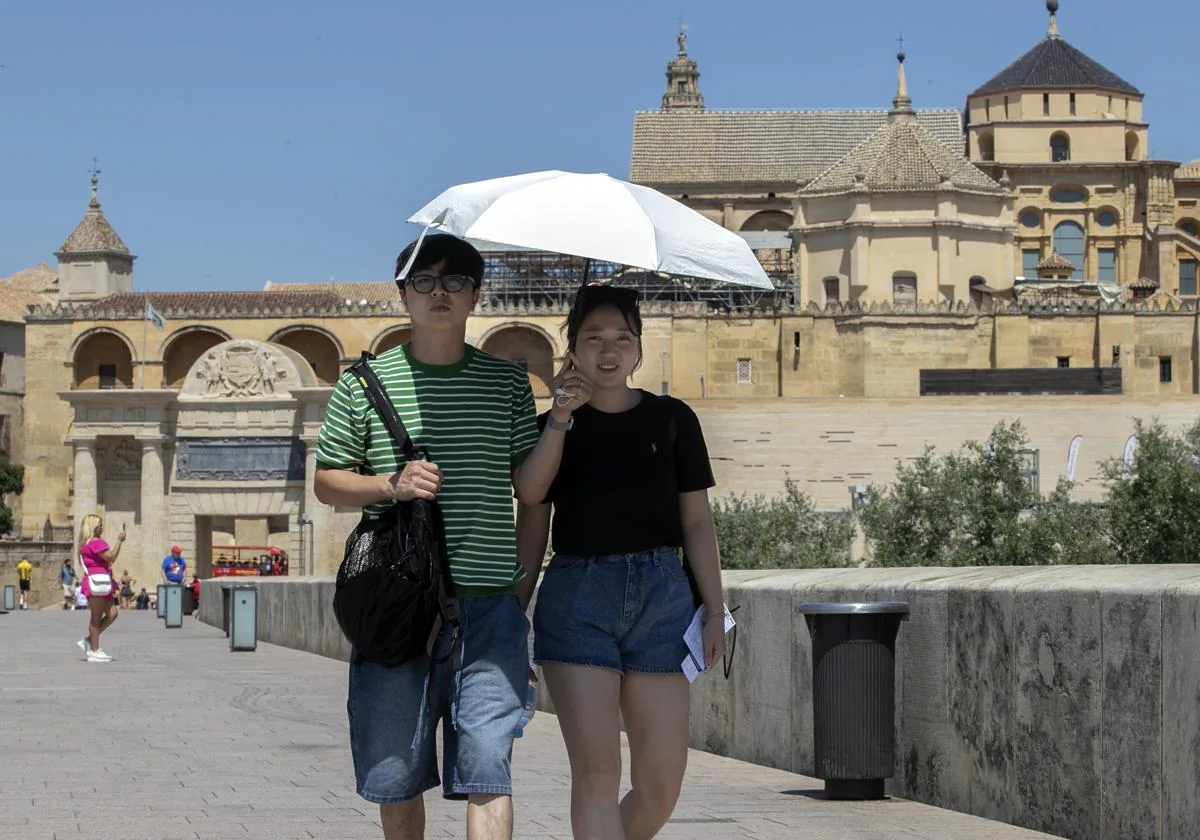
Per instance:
(246,369)
(239,459)
(123,460)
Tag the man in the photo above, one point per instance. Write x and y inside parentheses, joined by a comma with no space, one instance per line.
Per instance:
(143,600)
(24,579)
(474,413)
(66,576)
(174,566)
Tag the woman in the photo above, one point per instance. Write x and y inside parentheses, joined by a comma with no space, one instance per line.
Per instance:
(127,583)
(97,559)
(627,473)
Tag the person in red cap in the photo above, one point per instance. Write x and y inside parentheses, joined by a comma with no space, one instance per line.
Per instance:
(174,567)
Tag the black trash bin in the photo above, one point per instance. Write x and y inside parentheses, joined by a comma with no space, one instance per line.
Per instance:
(854,695)
(189,600)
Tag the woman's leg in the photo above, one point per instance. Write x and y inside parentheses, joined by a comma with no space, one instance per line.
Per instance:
(655,707)
(103,613)
(587,701)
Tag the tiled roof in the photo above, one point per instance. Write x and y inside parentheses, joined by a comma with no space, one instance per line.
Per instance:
(902,155)
(15,303)
(369,292)
(198,304)
(1053,63)
(1190,170)
(40,278)
(685,147)
(1056,262)
(94,235)
(1144,283)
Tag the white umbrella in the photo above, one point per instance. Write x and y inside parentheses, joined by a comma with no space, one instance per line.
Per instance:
(596,217)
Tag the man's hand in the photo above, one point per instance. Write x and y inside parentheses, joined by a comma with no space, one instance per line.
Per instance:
(418,480)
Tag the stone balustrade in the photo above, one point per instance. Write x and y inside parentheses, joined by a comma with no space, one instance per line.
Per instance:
(1063,699)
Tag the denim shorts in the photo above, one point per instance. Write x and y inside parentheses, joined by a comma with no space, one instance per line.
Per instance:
(393,727)
(623,612)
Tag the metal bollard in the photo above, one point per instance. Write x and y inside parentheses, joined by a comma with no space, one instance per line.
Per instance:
(10,597)
(243,618)
(173,613)
(160,605)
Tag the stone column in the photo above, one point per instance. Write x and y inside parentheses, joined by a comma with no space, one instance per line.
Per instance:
(155,522)
(316,537)
(84,484)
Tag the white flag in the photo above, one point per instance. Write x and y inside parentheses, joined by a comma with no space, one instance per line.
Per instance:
(154,316)
(1130,449)
(1073,456)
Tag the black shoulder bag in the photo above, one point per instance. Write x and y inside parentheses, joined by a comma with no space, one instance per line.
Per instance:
(394,596)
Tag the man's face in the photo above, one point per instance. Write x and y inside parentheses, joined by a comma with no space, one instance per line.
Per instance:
(431,306)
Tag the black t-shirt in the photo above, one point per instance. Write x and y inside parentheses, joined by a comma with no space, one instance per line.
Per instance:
(618,485)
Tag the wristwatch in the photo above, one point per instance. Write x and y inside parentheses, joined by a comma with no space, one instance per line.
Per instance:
(558,425)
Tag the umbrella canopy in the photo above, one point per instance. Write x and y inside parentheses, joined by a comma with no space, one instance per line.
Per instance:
(596,217)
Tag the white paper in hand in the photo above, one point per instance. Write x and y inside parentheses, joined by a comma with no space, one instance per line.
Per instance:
(693,666)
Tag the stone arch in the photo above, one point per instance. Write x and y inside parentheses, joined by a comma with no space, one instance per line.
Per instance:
(102,358)
(183,347)
(319,347)
(1189,226)
(391,338)
(987,146)
(768,220)
(528,346)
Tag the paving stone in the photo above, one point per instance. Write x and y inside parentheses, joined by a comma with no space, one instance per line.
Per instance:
(254,745)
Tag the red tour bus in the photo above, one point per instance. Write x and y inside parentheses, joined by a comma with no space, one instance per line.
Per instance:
(249,560)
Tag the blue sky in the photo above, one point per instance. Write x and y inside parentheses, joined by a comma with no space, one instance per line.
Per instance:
(242,142)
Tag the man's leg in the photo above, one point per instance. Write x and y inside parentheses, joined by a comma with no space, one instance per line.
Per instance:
(489,701)
(403,820)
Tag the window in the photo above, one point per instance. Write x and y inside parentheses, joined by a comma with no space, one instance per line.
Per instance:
(1045,104)
(743,371)
(1069,243)
(1031,218)
(1006,107)
(1064,361)
(108,376)
(1189,227)
(1030,257)
(1067,195)
(1072,104)
(681,87)
(1107,269)
(1060,148)
(904,288)
(833,290)
(1187,277)
(987,110)
(987,146)
(1164,368)
(977,285)
(1106,219)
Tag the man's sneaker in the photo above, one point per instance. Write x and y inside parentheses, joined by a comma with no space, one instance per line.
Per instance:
(98,656)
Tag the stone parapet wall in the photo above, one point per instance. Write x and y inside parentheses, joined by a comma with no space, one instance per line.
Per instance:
(1063,699)
(46,558)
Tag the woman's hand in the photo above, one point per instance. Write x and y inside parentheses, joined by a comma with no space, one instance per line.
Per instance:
(121,537)
(714,636)
(571,388)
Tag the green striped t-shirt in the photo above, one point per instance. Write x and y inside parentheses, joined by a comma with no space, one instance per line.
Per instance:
(476,419)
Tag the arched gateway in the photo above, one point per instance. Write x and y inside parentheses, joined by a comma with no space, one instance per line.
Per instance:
(226,460)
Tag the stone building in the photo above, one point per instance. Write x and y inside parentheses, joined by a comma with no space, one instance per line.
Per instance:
(906,243)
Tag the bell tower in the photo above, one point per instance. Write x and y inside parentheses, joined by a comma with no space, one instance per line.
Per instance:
(683,79)
(94,263)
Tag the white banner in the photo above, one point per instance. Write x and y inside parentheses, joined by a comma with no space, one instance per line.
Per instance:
(1073,456)
(1130,449)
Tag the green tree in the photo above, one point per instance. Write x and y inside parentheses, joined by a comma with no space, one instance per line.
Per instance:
(784,532)
(1153,505)
(12,482)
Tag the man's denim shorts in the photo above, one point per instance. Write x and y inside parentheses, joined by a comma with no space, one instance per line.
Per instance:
(393,728)
(623,612)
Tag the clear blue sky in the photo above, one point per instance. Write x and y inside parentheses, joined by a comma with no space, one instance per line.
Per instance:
(242,142)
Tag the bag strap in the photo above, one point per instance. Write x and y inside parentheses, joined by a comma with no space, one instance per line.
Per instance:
(382,404)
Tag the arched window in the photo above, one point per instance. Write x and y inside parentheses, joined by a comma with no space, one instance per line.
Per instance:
(1069,243)
(1131,145)
(183,349)
(530,349)
(1189,227)
(987,146)
(904,288)
(317,347)
(1060,147)
(979,288)
(103,360)
(391,339)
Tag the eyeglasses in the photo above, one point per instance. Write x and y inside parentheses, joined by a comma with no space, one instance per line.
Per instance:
(424,283)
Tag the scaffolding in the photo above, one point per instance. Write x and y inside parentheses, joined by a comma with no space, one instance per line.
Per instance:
(543,279)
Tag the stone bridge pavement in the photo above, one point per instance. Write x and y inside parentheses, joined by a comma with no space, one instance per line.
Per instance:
(180,738)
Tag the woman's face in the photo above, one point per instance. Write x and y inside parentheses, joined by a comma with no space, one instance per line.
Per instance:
(100,528)
(606,348)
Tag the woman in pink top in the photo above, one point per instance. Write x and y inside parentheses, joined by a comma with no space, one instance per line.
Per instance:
(98,559)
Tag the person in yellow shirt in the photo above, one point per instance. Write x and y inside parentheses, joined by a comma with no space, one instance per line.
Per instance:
(24,575)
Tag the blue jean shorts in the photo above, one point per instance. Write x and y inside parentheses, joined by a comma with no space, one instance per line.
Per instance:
(393,727)
(623,612)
